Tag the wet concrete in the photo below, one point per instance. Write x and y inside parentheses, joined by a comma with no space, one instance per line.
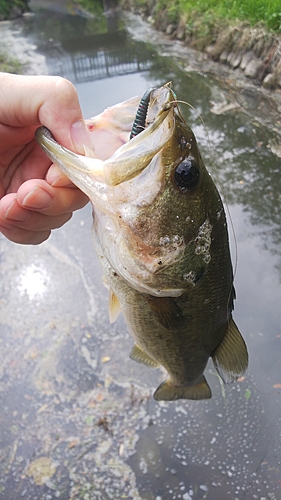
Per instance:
(77,419)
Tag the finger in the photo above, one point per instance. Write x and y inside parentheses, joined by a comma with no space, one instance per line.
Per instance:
(15,219)
(18,217)
(12,215)
(38,195)
(43,100)
(24,237)
(56,178)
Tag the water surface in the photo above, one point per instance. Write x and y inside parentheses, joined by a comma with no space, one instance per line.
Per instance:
(78,420)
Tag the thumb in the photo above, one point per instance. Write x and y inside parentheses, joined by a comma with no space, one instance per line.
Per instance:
(31,101)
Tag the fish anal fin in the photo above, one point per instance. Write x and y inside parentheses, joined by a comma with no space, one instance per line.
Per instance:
(166,310)
(231,356)
(114,307)
(138,355)
(170,392)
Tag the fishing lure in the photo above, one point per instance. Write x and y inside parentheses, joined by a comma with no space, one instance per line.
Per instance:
(139,123)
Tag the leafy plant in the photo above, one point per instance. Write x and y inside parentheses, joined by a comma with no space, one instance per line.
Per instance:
(9,64)
(8,8)
(254,11)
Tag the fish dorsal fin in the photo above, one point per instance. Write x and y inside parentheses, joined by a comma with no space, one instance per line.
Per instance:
(166,310)
(138,355)
(114,307)
(231,356)
(169,392)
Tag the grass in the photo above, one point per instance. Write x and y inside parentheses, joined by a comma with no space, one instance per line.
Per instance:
(254,11)
(9,64)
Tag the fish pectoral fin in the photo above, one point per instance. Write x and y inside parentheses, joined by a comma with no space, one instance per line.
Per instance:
(138,355)
(166,310)
(231,356)
(114,307)
(170,392)
(105,283)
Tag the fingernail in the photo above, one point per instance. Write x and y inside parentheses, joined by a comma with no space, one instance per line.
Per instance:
(16,213)
(38,199)
(80,136)
(54,175)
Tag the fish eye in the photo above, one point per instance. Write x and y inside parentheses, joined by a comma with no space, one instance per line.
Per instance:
(186,174)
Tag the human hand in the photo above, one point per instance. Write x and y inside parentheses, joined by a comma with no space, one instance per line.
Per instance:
(35,197)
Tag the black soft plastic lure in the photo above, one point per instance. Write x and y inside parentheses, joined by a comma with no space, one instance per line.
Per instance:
(139,123)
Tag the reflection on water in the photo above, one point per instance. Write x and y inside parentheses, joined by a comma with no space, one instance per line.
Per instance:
(77,419)
(88,49)
(81,64)
(33,281)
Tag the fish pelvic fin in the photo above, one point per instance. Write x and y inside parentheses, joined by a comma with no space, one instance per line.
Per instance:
(170,392)
(138,355)
(231,356)
(114,307)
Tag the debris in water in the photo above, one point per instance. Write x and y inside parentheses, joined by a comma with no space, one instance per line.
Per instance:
(41,470)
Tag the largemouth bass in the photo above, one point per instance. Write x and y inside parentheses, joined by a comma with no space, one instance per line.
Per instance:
(161,236)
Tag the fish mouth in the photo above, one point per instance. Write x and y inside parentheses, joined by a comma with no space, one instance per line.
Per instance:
(126,162)
(131,159)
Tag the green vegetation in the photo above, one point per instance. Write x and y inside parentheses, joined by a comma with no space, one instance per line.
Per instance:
(254,11)
(212,13)
(201,22)
(12,8)
(93,6)
(9,64)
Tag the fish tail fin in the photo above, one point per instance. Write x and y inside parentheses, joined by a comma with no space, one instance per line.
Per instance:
(170,392)
(231,356)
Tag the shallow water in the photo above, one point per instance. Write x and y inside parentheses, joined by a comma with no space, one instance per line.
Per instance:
(78,420)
